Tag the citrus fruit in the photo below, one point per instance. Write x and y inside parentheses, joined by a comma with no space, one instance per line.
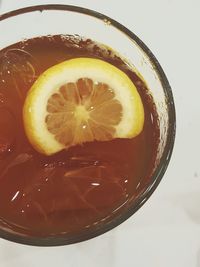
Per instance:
(81,100)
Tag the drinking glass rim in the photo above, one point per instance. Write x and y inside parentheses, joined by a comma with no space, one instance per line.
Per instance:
(160,170)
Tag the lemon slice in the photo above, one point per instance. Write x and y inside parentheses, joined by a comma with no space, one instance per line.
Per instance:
(81,100)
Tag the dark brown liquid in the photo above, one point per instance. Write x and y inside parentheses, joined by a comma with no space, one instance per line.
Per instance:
(69,191)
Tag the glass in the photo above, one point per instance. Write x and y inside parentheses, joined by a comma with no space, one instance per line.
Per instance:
(63,19)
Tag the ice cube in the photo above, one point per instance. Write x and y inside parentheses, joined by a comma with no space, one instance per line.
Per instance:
(17,66)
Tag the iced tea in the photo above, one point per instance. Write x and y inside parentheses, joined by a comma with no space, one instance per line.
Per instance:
(75,188)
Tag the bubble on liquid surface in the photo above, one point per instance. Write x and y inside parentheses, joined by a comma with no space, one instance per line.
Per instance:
(7,131)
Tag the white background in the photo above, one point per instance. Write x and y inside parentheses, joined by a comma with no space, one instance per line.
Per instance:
(165,232)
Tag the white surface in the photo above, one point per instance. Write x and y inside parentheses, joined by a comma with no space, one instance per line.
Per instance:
(166,231)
